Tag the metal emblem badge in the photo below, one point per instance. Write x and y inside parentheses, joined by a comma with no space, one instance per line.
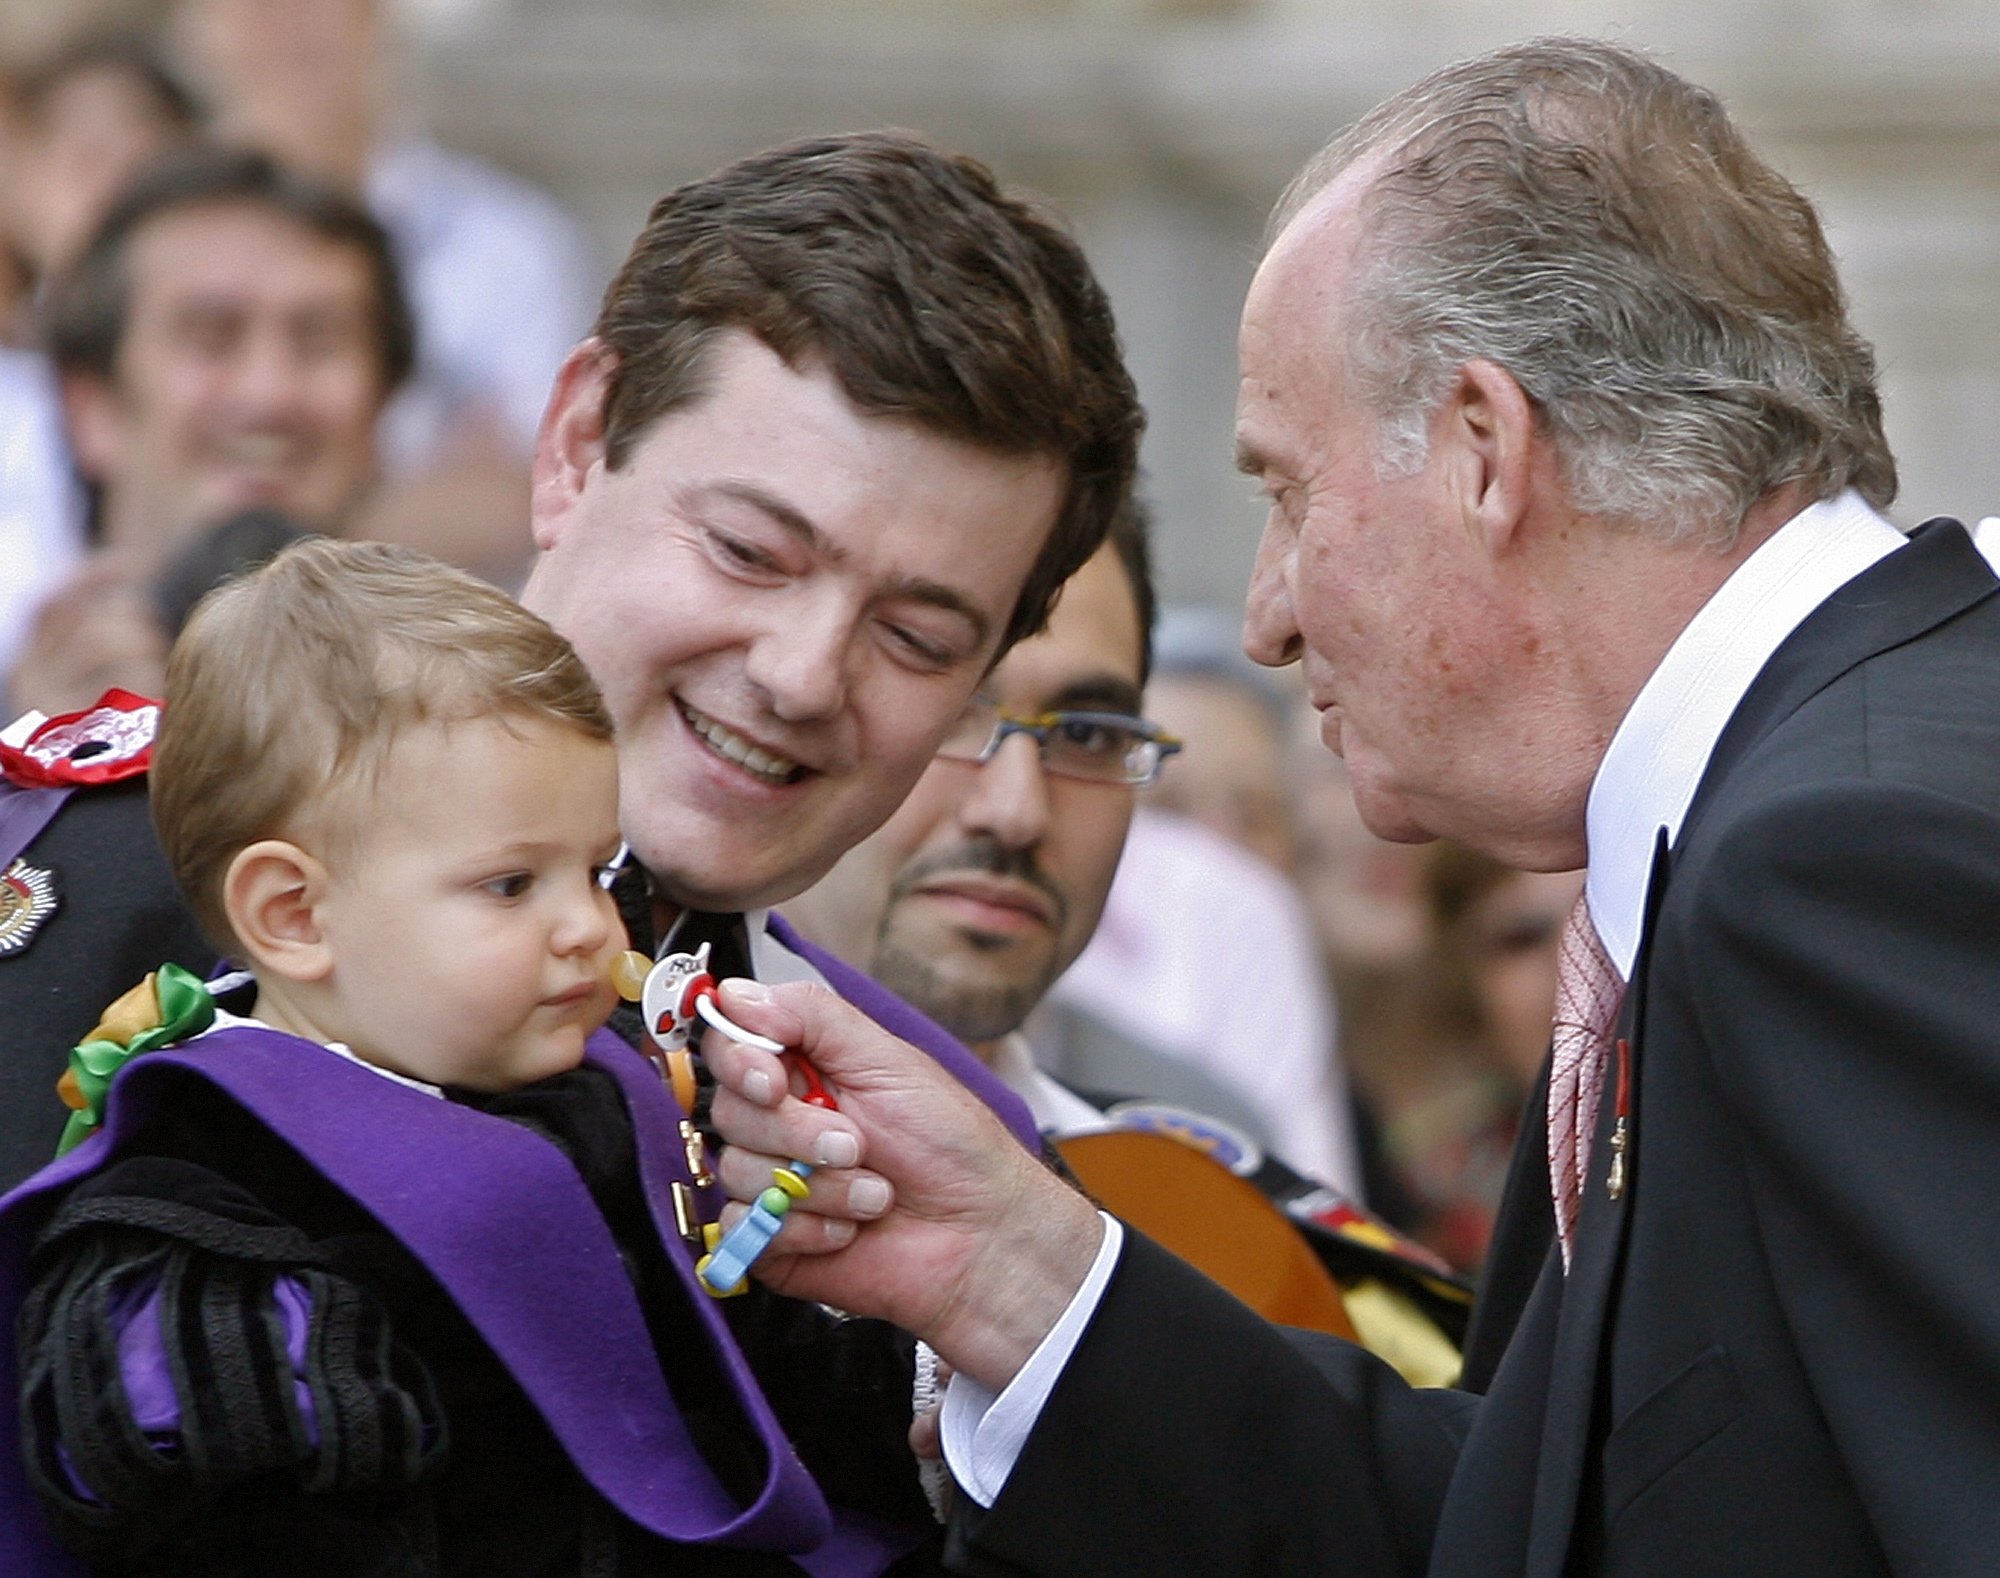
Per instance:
(27,898)
(1224,1142)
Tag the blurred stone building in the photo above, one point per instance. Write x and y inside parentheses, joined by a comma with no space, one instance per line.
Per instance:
(1164,128)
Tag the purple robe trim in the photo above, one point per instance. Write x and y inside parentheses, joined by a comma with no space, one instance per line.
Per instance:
(900,1019)
(596,1381)
(24,813)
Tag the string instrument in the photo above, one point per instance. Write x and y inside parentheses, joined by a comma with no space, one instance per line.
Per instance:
(1297,1253)
(1220,1224)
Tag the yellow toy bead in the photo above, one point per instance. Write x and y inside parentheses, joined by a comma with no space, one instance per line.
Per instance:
(742,1286)
(711,1235)
(628,974)
(790,1182)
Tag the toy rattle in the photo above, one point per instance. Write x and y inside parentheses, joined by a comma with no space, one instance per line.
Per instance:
(672,995)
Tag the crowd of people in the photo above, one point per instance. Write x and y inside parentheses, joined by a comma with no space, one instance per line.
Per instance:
(1121,1024)
(244,387)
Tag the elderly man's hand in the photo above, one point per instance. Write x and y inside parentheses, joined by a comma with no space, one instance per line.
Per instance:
(925,1211)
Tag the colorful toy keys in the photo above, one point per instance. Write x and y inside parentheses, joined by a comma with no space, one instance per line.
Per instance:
(673,995)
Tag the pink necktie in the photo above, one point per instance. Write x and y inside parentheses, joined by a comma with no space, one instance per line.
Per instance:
(1588,991)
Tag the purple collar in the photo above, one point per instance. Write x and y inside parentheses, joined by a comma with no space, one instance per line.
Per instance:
(23,814)
(900,1019)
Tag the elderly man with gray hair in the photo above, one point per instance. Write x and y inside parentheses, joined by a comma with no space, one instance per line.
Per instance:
(1576,469)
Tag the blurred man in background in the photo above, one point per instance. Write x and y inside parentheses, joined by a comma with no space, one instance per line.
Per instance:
(226,343)
(502,278)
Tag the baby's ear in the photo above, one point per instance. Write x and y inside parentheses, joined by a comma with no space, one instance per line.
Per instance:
(272,893)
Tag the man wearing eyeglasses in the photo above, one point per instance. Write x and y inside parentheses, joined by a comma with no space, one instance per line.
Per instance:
(989,880)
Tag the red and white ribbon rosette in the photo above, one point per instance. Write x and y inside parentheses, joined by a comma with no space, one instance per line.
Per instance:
(104,744)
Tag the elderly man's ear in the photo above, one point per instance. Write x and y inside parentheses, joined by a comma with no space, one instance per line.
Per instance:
(1493,445)
(272,895)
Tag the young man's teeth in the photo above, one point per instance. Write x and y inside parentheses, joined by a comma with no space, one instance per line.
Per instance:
(775,769)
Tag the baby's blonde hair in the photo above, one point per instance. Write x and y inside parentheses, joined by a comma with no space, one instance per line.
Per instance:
(289,685)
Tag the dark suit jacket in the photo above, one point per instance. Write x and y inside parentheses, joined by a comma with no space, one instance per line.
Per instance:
(117,917)
(1778,1353)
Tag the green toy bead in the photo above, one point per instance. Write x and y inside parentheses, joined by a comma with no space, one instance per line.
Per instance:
(775,1200)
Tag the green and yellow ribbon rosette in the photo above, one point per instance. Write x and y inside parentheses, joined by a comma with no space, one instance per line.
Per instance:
(170,1005)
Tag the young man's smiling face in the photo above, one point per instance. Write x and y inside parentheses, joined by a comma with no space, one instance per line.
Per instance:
(786,601)
(990,878)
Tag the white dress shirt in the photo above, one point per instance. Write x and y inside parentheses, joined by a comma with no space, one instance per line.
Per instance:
(1057,1109)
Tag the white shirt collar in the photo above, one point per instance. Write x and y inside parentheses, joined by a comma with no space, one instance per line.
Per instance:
(773,962)
(225,1020)
(1057,1109)
(1656,759)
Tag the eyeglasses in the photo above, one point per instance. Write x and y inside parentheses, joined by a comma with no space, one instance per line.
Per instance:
(1096,747)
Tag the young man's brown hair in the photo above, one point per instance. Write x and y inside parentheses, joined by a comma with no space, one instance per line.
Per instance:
(927,292)
(289,686)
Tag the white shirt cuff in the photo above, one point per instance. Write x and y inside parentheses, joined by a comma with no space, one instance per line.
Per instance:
(983,1434)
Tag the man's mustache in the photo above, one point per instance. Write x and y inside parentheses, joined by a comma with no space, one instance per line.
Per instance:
(985,857)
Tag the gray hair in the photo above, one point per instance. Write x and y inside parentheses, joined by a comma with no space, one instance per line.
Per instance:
(1577,214)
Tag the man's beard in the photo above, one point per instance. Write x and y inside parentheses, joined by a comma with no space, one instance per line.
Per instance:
(973,1009)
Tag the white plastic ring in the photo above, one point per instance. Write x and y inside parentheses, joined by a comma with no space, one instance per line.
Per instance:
(705,1006)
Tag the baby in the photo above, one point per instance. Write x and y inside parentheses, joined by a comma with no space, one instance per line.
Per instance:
(376,1260)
